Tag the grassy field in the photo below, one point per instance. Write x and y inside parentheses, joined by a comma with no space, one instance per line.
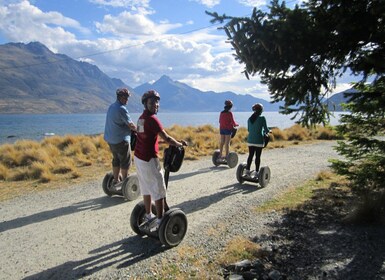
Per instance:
(58,161)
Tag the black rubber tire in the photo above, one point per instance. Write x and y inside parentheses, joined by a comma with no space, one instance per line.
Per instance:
(173,227)
(130,187)
(137,216)
(232,159)
(264,176)
(241,168)
(215,157)
(107,181)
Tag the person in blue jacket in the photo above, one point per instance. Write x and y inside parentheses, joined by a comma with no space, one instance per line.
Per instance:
(257,128)
(117,133)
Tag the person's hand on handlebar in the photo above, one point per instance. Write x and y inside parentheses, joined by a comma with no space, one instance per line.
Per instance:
(184,142)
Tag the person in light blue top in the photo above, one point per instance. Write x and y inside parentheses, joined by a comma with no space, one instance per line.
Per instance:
(257,128)
(117,133)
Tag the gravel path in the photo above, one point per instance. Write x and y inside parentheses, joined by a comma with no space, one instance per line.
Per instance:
(80,232)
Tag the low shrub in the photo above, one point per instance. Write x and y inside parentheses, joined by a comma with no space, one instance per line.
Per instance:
(297,132)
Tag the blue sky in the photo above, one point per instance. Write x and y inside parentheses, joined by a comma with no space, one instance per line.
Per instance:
(138,41)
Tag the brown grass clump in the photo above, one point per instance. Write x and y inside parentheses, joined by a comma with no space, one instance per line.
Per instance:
(297,132)
(278,135)
(4,172)
(324,175)
(325,133)
(45,161)
(240,248)
(8,155)
(64,166)
(37,169)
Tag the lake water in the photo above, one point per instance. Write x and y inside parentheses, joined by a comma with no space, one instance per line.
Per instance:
(36,127)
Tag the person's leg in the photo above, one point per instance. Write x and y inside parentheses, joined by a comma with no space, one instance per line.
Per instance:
(115,162)
(116,172)
(159,205)
(250,157)
(143,173)
(125,159)
(147,204)
(258,153)
(222,142)
(227,144)
(124,173)
(159,187)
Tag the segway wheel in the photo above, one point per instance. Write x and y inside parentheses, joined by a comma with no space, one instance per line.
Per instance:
(130,187)
(215,157)
(107,182)
(241,168)
(137,216)
(173,228)
(232,159)
(264,176)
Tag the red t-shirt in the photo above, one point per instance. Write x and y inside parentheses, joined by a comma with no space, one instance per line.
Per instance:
(226,120)
(148,127)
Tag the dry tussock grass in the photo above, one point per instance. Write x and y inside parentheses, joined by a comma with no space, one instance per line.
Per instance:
(69,157)
(240,248)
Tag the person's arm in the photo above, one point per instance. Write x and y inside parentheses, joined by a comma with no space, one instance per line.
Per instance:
(125,117)
(132,126)
(233,121)
(266,129)
(170,140)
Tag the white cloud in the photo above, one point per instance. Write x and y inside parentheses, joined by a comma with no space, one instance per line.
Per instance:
(252,3)
(208,3)
(138,6)
(127,23)
(22,22)
(133,4)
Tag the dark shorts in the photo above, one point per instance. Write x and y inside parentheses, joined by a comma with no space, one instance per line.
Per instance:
(121,155)
(225,131)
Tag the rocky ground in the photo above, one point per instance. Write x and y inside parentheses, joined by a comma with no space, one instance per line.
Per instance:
(316,241)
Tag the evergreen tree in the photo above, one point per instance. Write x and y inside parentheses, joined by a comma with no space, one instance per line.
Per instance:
(299,53)
(364,148)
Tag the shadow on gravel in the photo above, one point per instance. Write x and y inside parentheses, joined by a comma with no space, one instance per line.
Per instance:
(205,201)
(174,177)
(312,242)
(92,204)
(119,254)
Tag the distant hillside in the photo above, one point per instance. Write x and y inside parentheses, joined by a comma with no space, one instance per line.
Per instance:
(176,96)
(35,80)
(334,102)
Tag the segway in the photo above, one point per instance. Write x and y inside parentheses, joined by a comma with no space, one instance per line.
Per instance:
(262,177)
(128,188)
(173,227)
(231,160)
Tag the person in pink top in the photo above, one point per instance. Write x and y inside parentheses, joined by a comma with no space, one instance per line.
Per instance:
(226,126)
(149,170)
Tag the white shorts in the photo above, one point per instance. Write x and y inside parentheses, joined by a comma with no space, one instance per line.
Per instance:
(151,178)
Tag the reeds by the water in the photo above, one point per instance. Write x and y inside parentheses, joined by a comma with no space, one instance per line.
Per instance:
(56,156)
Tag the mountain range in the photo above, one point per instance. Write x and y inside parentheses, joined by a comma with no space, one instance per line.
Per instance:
(35,80)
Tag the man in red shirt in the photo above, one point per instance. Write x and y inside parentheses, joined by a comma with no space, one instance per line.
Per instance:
(149,170)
